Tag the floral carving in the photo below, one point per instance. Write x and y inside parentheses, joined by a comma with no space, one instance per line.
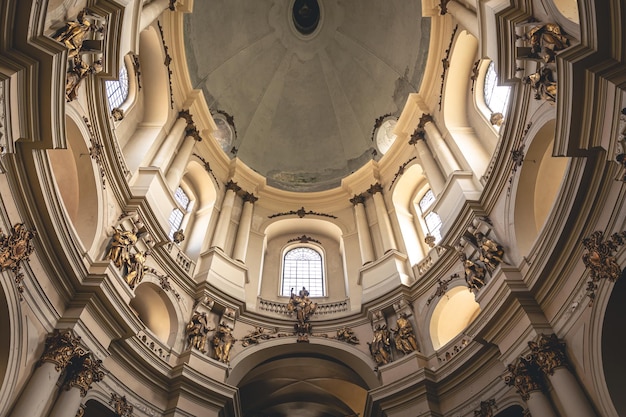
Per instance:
(600,259)
(15,248)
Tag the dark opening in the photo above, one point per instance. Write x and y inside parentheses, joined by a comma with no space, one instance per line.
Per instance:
(306,16)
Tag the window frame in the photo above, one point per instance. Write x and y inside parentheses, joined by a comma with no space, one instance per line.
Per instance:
(186,211)
(423,213)
(316,248)
(479,93)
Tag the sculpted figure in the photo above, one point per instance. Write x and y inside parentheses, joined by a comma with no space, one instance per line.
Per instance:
(474,274)
(491,252)
(197,330)
(119,248)
(380,346)
(546,38)
(73,33)
(222,343)
(404,337)
(543,83)
(135,267)
(76,73)
(345,334)
(304,309)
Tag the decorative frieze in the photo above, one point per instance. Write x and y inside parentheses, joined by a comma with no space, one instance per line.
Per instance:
(400,171)
(254,337)
(301,212)
(445,62)
(16,248)
(207,168)
(600,259)
(304,239)
(96,150)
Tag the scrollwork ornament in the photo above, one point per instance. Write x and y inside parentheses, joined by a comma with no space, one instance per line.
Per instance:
(60,348)
(549,353)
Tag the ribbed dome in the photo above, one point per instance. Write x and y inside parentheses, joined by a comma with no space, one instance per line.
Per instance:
(304,105)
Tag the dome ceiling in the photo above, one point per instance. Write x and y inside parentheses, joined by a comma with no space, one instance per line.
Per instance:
(305,80)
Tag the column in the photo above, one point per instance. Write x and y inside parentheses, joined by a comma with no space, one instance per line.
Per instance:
(363,229)
(526,377)
(466,17)
(81,373)
(223,221)
(431,169)
(386,232)
(61,346)
(151,11)
(440,147)
(245,224)
(168,145)
(549,354)
(177,168)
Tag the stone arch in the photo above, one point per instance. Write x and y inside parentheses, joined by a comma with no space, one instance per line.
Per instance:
(96,408)
(538,185)
(453,312)
(403,197)
(270,375)
(78,183)
(158,312)
(10,342)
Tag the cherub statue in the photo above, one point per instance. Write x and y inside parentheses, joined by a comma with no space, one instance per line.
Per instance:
(345,334)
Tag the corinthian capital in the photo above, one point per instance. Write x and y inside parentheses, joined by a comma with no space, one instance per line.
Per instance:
(61,347)
(83,371)
(525,377)
(549,353)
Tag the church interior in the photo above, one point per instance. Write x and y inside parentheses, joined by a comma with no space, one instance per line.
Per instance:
(321,208)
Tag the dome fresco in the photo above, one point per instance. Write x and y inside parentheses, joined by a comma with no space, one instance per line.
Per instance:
(304,105)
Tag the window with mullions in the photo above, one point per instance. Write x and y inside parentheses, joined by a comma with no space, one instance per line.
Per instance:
(302,267)
(496,97)
(117,90)
(432,219)
(177,215)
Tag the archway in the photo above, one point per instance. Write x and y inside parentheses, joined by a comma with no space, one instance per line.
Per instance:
(452,314)
(156,311)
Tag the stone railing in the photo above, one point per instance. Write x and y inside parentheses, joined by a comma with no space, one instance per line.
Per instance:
(425,264)
(180,258)
(279,308)
(155,345)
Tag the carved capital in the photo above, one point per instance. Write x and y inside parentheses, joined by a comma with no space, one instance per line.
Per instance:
(417,135)
(525,376)
(61,347)
(358,199)
(549,353)
(184,114)
(82,372)
(249,198)
(232,186)
(375,188)
(425,118)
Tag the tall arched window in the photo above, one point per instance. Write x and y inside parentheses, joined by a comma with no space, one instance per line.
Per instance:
(303,267)
(432,219)
(178,214)
(496,97)
(117,90)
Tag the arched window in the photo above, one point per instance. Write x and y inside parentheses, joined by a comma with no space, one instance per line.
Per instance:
(432,219)
(178,214)
(303,267)
(117,90)
(496,97)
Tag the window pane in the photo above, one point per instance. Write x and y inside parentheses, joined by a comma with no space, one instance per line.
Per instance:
(181,198)
(433,223)
(117,90)
(302,267)
(496,97)
(427,200)
(175,220)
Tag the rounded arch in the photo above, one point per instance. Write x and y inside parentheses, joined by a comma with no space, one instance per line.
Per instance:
(462,57)
(77,181)
(158,312)
(407,188)
(156,99)
(538,185)
(452,314)
(10,342)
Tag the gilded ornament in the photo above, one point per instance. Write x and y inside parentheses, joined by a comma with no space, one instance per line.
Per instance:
(223,341)
(345,334)
(304,308)
(197,330)
(404,337)
(61,347)
(121,406)
(486,408)
(82,372)
(549,353)
(525,376)
(380,346)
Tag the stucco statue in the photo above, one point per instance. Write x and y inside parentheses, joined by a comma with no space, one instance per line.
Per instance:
(547,39)
(345,334)
(72,34)
(380,346)
(119,248)
(197,330)
(543,83)
(474,274)
(77,71)
(304,308)
(135,268)
(222,341)
(404,337)
(491,252)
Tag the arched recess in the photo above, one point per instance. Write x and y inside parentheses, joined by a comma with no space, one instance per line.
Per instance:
(202,187)
(154,100)
(94,408)
(328,236)
(512,411)
(10,342)
(272,379)
(403,197)
(157,312)
(455,310)
(455,106)
(613,359)
(75,176)
(538,185)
